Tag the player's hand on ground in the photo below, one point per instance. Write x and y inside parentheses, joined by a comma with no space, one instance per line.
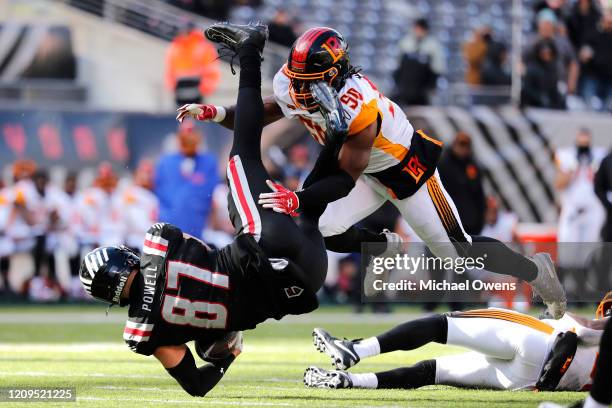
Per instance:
(199,112)
(281,199)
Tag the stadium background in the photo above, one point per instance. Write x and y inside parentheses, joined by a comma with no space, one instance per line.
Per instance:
(85,84)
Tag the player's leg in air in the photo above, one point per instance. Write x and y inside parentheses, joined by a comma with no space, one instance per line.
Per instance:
(277,234)
(509,351)
(433,216)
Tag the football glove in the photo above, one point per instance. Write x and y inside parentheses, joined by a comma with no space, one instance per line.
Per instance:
(281,200)
(331,109)
(204,113)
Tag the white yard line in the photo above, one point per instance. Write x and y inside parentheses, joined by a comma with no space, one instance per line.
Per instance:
(64,374)
(206,401)
(116,318)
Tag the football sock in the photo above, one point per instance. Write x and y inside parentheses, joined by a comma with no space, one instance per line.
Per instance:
(589,402)
(366,380)
(414,334)
(419,375)
(601,391)
(250,64)
(367,348)
(498,258)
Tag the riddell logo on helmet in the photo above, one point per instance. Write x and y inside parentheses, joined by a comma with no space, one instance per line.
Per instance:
(119,289)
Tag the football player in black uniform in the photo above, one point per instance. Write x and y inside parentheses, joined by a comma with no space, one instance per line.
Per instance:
(181,290)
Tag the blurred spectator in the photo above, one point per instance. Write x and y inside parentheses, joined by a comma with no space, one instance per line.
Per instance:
(541,80)
(582,215)
(494,70)
(185,181)
(219,231)
(582,22)
(499,224)
(596,57)
(192,68)
(462,179)
(136,205)
(549,29)
(297,167)
(54,56)
(214,9)
(421,64)
(475,52)
(6,243)
(280,29)
(557,7)
(98,223)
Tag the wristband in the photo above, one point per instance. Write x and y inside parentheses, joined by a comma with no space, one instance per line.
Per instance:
(221,112)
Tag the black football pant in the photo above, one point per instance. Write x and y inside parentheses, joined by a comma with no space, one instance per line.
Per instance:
(279,235)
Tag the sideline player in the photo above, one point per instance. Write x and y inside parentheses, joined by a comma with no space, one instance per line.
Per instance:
(181,290)
(510,351)
(382,159)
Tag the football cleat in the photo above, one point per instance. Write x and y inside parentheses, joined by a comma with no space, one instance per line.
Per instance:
(341,352)
(235,36)
(330,107)
(316,377)
(548,287)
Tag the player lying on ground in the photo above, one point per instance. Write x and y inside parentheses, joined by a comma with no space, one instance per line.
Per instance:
(382,159)
(181,290)
(600,395)
(510,351)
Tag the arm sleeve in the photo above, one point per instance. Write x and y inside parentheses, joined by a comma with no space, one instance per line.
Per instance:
(198,381)
(326,183)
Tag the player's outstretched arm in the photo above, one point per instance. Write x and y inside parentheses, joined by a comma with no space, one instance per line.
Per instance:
(224,115)
(180,364)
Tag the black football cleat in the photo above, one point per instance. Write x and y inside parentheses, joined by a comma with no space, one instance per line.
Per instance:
(316,377)
(236,36)
(341,352)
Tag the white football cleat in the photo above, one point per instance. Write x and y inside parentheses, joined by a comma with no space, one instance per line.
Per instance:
(548,286)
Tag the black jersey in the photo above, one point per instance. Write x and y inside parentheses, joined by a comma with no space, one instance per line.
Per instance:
(187,291)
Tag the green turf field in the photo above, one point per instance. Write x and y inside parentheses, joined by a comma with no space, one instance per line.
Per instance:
(38,348)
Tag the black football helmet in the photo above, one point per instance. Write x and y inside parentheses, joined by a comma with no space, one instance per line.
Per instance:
(105,271)
(320,54)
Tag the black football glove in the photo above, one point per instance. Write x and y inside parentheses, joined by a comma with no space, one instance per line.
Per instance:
(333,112)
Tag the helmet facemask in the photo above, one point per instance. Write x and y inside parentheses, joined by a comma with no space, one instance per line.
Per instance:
(299,86)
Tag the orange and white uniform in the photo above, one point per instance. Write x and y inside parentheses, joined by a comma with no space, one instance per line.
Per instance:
(402,166)
(98,223)
(509,350)
(137,208)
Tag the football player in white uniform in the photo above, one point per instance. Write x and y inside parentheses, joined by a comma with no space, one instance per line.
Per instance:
(510,351)
(382,159)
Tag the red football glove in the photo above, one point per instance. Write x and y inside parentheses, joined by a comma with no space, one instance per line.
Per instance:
(203,113)
(281,200)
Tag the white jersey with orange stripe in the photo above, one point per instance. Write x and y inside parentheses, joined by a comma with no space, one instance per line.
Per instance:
(363,102)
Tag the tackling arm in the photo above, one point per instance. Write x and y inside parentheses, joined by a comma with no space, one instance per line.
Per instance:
(224,115)
(352,161)
(180,364)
